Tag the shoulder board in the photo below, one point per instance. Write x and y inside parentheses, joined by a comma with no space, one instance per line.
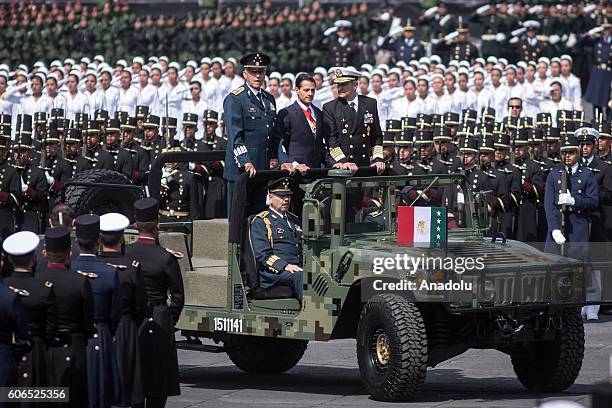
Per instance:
(593,169)
(490,174)
(89,275)
(263,214)
(375,214)
(135,263)
(20,292)
(176,254)
(48,284)
(119,267)
(238,90)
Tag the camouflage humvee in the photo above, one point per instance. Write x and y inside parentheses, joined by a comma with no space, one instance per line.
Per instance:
(523,302)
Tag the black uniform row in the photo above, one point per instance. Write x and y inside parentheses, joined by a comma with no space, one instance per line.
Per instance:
(99,322)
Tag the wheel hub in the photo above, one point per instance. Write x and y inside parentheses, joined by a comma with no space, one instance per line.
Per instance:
(382,349)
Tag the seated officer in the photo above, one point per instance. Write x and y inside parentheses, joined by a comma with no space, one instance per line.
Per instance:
(275,239)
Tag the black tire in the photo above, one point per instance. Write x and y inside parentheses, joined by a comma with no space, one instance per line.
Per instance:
(552,366)
(391,348)
(101,200)
(264,355)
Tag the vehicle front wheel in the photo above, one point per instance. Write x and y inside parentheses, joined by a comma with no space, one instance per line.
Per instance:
(391,348)
(552,366)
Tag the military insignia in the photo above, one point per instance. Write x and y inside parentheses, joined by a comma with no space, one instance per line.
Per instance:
(119,267)
(252,109)
(135,263)
(48,284)
(238,90)
(20,292)
(273,108)
(176,254)
(368,118)
(338,73)
(280,230)
(89,275)
(344,131)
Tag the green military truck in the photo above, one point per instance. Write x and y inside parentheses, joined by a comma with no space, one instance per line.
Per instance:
(522,302)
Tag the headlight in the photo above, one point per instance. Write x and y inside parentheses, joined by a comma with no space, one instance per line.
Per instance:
(488,291)
(564,286)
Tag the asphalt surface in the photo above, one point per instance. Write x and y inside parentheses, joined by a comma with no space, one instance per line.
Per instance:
(327,376)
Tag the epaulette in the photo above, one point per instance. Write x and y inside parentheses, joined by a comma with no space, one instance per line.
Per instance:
(176,254)
(593,169)
(263,214)
(375,214)
(20,292)
(48,284)
(135,263)
(119,267)
(238,90)
(490,174)
(89,275)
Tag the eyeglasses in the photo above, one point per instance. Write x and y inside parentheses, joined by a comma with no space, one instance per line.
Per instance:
(515,106)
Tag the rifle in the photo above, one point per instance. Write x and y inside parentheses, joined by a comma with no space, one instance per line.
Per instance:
(169,142)
(43,156)
(563,206)
(84,147)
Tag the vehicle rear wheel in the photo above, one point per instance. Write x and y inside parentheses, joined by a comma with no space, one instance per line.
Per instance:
(391,348)
(264,355)
(101,200)
(552,366)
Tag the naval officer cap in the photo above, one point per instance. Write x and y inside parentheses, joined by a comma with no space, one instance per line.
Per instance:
(280,187)
(21,243)
(344,75)
(88,226)
(57,240)
(255,60)
(113,222)
(586,134)
(145,210)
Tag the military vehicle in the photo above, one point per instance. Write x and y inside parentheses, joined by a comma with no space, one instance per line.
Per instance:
(524,302)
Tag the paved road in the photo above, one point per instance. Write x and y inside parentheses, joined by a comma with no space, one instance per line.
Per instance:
(328,376)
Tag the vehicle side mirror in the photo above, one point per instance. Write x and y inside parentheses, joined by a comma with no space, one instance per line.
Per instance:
(312,220)
(483,206)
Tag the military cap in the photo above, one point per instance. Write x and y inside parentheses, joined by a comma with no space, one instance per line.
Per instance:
(526,122)
(522,137)
(543,119)
(343,75)
(121,116)
(342,24)
(52,136)
(423,121)
(151,121)
(63,124)
(129,123)
(113,222)
(405,138)
(423,137)
(502,141)
(603,128)
(408,123)
(113,125)
(190,119)
(24,123)
(72,136)
(145,210)
(92,127)
(470,145)
(388,138)
(81,119)
(100,115)
(57,113)
(409,25)
(485,130)
(565,115)
(569,142)
(173,146)
(451,119)
(393,125)
(169,122)
(40,118)
(469,116)
(488,113)
(87,226)
(552,134)
(21,243)
(462,27)
(255,60)
(280,187)
(5,119)
(210,116)
(22,141)
(5,133)
(536,136)
(466,129)
(142,111)
(487,144)
(586,134)
(442,134)
(578,116)
(57,240)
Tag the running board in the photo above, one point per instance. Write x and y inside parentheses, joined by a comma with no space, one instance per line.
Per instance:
(196,345)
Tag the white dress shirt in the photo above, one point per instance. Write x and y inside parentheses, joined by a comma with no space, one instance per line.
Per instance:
(128,98)
(76,103)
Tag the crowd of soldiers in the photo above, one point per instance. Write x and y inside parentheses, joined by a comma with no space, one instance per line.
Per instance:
(88,313)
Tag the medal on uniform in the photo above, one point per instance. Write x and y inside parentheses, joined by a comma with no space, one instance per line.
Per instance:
(280,230)
(252,109)
(368,118)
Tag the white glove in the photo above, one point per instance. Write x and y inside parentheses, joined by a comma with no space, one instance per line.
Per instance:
(435,41)
(430,11)
(500,37)
(566,198)
(558,237)
(514,40)
(24,187)
(571,41)
(483,9)
(595,31)
(191,166)
(553,39)
(460,198)
(50,179)
(564,37)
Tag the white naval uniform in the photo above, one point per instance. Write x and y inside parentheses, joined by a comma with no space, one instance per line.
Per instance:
(551,107)
(30,105)
(479,100)
(128,98)
(147,96)
(198,109)
(572,90)
(77,103)
(500,100)
(403,107)
(111,100)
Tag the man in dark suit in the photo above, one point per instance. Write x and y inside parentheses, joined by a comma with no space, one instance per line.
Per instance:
(303,129)
(355,137)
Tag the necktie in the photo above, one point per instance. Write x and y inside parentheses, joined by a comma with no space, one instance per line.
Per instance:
(353,105)
(260,99)
(311,120)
